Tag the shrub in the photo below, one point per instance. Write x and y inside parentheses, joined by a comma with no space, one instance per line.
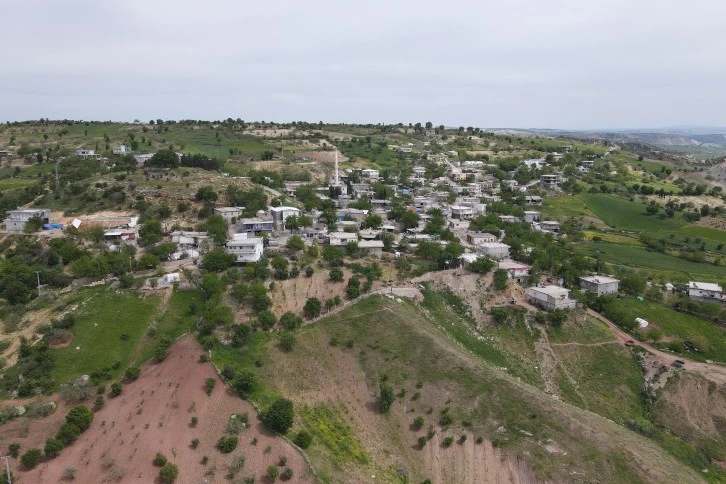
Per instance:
(162,349)
(98,403)
(418,423)
(209,385)
(14,450)
(160,459)
(169,472)
(132,372)
(290,321)
(286,475)
(303,439)
(80,416)
(282,462)
(68,433)
(69,473)
(194,421)
(446,420)
(279,417)
(53,447)
(195,443)
(386,397)
(312,308)
(422,442)
(272,472)
(309,271)
(116,389)
(448,441)
(31,458)
(287,341)
(227,444)
(245,383)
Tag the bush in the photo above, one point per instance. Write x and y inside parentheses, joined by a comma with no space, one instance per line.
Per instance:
(160,459)
(169,473)
(418,423)
(209,385)
(245,383)
(132,372)
(287,341)
(68,433)
(422,442)
(227,444)
(386,397)
(446,420)
(14,450)
(448,441)
(336,274)
(116,389)
(303,439)
(272,472)
(194,422)
(290,321)
(162,349)
(98,403)
(31,458)
(80,416)
(53,447)
(195,443)
(312,308)
(279,417)
(286,475)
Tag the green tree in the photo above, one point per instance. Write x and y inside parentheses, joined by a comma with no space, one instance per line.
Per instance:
(148,261)
(33,224)
(80,416)
(150,232)
(372,221)
(290,321)
(295,243)
(132,372)
(68,433)
(31,458)
(500,279)
(217,260)
(272,472)
(303,439)
(53,447)
(653,334)
(287,341)
(206,194)
(336,274)
(279,417)
(386,397)
(353,289)
(312,308)
(168,473)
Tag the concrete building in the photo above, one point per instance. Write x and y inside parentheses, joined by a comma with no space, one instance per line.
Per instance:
(16,219)
(142,158)
(255,225)
(371,247)
(533,200)
(190,240)
(531,216)
(516,270)
(229,214)
(245,249)
(705,291)
(551,226)
(550,181)
(550,297)
(480,238)
(495,250)
(600,285)
(341,239)
(369,173)
(462,212)
(280,214)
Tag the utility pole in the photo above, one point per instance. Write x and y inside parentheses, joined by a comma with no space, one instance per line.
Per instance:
(37,274)
(7,467)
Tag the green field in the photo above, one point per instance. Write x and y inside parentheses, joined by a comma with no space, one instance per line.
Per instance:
(631,256)
(680,325)
(109,326)
(623,214)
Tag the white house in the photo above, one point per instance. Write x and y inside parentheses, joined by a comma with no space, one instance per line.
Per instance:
(229,214)
(373,247)
(255,225)
(531,216)
(16,219)
(551,226)
(462,212)
(121,150)
(516,270)
(189,240)
(550,181)
(495,250)
(245,249)
(705,291)
(142,158)
(550,297)
(480,238)
(341,239)
(369,173)
(280,214)
(86,154)
(599,284)
(533,200)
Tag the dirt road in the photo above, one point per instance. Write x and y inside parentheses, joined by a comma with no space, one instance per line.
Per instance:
(712,371)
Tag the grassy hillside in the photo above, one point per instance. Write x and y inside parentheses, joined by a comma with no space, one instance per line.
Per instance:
(434,376)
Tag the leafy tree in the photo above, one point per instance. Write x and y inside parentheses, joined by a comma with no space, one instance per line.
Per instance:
(151,232)
(14,450)
(279,417)
(336,274)
(169,473)
(67,433)
(227,444)
(266,319)
(217,260)
(132,372)
(80,416)
(162,350)
(53,447)
(160,460)
(163,159)
(287,341)
(500,279)
(372,221)
(309,271)
(632,284)
(272,472)
(353,289)
(312,308)
(290,321)
(148,261)
(292,223)
(245,383)
(386,397)
(31,458)
(303,439)
(33,225)
(295,243)
(206,194)
(500,315)
(653,334)
(116,389)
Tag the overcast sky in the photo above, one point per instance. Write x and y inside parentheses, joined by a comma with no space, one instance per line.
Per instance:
(511,63)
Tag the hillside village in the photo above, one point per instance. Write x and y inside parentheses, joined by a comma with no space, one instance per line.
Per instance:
(255,234)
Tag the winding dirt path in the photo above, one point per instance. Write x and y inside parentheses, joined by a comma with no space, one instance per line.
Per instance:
(712,371)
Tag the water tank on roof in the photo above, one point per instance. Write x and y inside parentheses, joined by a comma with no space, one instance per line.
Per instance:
(261,213)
